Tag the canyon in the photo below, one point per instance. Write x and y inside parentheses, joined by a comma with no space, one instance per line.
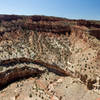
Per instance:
(56,47)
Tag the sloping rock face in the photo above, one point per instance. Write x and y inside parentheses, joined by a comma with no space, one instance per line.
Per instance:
(53,45)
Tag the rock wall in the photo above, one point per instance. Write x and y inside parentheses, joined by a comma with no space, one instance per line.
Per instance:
(56,25)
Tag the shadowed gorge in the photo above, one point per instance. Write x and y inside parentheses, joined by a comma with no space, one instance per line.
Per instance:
(16,74)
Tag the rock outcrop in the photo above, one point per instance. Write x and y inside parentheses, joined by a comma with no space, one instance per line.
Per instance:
(52,68)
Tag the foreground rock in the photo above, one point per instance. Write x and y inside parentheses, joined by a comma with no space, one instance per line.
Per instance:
(54,88)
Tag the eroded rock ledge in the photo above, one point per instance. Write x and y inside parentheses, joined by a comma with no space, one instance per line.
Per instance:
(53,68)
(16,74)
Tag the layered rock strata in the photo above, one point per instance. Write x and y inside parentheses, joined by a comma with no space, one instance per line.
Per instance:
(16,74)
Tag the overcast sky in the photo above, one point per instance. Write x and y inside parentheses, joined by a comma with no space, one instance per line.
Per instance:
(74,9)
